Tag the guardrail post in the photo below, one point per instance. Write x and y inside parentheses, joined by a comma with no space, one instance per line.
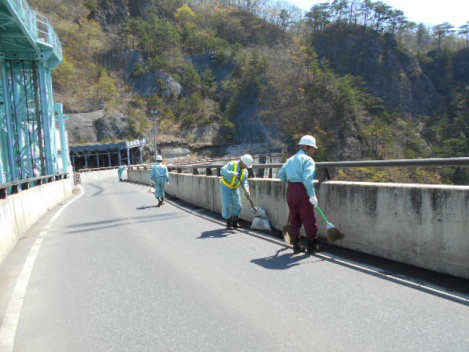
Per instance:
(323,174)
(219,171)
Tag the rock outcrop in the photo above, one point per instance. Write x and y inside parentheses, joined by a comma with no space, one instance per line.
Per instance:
(391,73)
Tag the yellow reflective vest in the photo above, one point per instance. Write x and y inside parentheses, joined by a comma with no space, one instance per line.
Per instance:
(232,181)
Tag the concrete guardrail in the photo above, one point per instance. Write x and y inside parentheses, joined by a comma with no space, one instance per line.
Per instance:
(20,211)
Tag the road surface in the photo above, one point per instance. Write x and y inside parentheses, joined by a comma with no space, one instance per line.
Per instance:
(112,272)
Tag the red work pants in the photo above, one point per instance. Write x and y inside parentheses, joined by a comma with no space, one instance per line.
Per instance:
(301,211)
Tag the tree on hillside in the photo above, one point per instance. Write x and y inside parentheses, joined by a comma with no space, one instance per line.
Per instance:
(464,31)
(441,31)
(423,37)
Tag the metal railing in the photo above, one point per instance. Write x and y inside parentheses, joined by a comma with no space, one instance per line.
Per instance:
(18,186)
(213,167)
(37,25)
(324,167)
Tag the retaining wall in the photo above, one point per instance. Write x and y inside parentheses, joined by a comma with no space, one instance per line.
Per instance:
(422,225)
(18,212)
(96,176)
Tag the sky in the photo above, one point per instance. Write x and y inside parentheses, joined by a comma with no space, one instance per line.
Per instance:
(456,12)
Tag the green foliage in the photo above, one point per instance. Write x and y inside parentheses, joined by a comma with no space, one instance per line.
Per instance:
(380,136)
(208,82)
(64,75)
(139,123)
(91,5)
(185,14)
(189,78)
(139,69)
(107,90)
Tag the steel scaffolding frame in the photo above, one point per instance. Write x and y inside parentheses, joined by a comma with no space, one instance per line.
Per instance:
(33,140)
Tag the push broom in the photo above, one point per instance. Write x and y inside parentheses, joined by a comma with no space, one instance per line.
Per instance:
(333,232)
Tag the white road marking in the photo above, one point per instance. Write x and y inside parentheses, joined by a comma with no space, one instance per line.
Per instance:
(15,306)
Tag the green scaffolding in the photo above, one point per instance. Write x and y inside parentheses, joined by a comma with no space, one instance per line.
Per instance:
(33,139)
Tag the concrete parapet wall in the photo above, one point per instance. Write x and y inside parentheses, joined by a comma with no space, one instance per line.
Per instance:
(422,225)
(96,176)
(20,211)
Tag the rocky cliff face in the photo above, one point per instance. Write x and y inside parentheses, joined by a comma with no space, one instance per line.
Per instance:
(147,84)
(96,126)
(117,11)
(390,72)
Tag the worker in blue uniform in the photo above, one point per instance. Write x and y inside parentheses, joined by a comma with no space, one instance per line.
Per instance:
(160,177)
(234,174)
(298,172)
(120,172)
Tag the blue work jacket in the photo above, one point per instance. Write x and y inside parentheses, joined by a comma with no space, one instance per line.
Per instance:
(159,173)
(299,168)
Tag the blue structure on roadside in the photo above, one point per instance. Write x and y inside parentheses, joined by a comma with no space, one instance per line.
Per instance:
(106,155)
(33,140)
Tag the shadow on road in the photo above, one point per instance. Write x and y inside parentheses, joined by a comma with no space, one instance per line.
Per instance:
(220,233)
(147,207)
(284,261)
(106,224)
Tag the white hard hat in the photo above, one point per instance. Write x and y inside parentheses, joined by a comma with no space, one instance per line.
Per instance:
(159,158)
(247,160)
(309,141)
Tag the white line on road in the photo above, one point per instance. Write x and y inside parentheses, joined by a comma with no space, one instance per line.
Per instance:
(12,315)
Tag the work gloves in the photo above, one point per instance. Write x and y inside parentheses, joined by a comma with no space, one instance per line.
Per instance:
(313,200)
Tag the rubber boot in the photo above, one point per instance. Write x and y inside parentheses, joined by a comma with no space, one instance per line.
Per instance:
(296,245)
(229,223)
(160,201)
(312,246)
(235,222)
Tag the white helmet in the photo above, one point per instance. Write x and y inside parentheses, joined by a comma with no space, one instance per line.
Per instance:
(159,158)
(247,160)
(309,141)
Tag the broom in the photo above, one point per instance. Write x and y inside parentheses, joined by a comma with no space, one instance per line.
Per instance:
(333,232)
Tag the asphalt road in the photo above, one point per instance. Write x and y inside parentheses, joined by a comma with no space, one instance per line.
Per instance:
(115,273)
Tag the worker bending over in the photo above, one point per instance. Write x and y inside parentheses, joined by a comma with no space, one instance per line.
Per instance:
(234,174)
(298,172)
(160,176)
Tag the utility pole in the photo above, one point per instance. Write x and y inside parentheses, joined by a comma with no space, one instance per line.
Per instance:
(154,131)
